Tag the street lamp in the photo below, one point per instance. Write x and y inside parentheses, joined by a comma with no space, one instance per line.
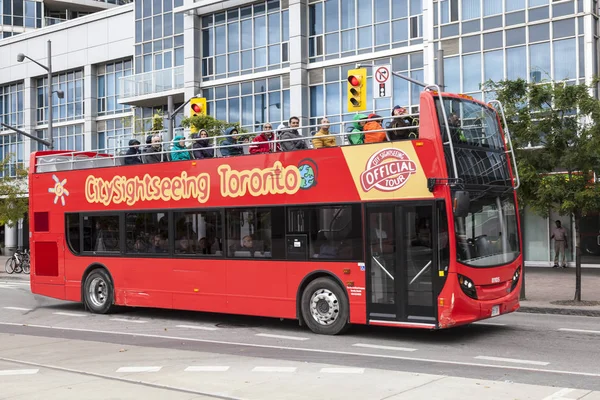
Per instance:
(20,58)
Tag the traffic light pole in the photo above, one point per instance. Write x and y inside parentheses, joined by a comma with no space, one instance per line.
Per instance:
(171,115)
(416,82)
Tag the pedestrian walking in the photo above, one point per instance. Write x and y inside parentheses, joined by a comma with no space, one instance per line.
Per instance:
(559,234)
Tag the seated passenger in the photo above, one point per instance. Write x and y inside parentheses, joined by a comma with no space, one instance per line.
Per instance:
(323,138)
(373,130)
(202,146)
(132,156)
(456,132)
(292,133)
(262,141)
(179,152)
(356,137)
(159,245)
(402,122)
(152,153)
(233,148)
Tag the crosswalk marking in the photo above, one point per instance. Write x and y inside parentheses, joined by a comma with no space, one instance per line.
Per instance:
(139,369)
(343,370)
(206,368)
(274,369)
(8,372)
(136,321)
(17,308)
(68,314)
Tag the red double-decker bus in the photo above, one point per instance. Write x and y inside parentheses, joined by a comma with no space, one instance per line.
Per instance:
(419,233)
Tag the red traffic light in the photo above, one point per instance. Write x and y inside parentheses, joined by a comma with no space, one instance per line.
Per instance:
(354,80)
(196,108)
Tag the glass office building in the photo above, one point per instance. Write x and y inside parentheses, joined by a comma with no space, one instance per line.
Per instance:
(265,61)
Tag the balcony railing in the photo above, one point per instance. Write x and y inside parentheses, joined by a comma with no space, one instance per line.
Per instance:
(151,82)
(53,21)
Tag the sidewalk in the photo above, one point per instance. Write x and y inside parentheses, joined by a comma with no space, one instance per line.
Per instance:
(543,286)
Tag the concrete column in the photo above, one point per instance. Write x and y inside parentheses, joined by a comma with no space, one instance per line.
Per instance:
(428,42)
(30,117)
(192,45)
(298,54)
(10,239)
(588,42)
(90,112)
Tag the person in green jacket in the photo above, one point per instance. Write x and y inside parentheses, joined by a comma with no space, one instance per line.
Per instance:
(179,152)
(357,136)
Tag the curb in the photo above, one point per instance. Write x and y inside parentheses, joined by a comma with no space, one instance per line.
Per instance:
(560,311)
(17,277)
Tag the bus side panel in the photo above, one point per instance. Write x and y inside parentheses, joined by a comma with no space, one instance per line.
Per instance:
(199,284)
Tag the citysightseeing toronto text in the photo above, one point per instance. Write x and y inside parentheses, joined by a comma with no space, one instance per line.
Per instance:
(256,182)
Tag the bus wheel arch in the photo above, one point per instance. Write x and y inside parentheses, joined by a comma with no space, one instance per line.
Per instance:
(328,283)
(97,289)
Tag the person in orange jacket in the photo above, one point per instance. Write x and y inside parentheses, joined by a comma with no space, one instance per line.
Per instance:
(323,138)
(373,130)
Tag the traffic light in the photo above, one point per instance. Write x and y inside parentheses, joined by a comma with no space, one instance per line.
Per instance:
(197,106)
(357,89)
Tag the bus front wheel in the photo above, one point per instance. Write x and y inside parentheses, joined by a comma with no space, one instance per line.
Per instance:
(324,307)
(98,292)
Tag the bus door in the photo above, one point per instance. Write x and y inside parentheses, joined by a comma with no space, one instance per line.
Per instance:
(400,243)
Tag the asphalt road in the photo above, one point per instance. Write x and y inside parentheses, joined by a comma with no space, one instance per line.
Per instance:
(149,352)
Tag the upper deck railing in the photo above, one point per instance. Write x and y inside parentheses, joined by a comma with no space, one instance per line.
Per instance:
(63,161)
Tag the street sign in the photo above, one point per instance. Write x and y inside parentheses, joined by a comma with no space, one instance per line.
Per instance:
(383,81)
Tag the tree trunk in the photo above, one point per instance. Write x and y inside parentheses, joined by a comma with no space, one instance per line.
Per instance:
(577,257)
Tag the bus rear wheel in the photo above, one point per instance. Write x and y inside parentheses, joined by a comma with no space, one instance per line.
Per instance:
(324,307)
(98,292)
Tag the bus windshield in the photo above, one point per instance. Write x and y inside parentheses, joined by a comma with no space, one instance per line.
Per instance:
(477,141)
(488,235)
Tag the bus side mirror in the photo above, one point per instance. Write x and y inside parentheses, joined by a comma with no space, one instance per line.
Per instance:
(461,203)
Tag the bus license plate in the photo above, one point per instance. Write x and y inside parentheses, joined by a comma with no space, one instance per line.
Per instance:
(495,311)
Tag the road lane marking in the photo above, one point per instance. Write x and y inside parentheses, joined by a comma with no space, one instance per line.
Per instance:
(17,308)
(9,372)
(295,349)
(268,335)
(12,283)
(579,331)
(68,314)
(135,321)
(202,328)
(274,369)
(558,395)
(342,370)
(139,369)
(489,323)
(375,346)
(512,360)
(203,368)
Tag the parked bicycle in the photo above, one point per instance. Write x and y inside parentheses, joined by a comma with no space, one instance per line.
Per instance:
(18,262)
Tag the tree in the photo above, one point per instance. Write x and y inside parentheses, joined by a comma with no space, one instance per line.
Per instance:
(555,129)
(13,190)
(213,126)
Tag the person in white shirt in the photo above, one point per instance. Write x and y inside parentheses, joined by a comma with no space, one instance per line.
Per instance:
(561,244)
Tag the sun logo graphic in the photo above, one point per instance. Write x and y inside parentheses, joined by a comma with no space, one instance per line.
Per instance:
(59,190)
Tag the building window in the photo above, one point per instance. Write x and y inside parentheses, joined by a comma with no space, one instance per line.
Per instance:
(255,233)
(328,95)
(101,234)
(251,103)
(142,119)
(11,105)
(20,13)
(109,88)
(11,147)
(339,28)
(113,134)
(72,227)
(68,137)
(245,40)
(147,232)
(70,107)
(199,233)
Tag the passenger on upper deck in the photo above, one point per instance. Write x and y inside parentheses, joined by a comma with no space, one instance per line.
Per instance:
(402,122)
(231,140)
(356,137)
(262,142)
(201,147)
(179,152)
(132,156)
(152,154)
(373,131)
(323,138)
(456,132)
(292,133)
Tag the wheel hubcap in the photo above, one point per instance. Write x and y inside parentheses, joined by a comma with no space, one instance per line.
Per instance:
(324,307)
(98,292)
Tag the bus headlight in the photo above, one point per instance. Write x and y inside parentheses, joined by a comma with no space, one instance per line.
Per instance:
(467,286)
(515,278)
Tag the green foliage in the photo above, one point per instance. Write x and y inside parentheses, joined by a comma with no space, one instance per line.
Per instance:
(213,126)
(157,122)
(561,122)
(13,202)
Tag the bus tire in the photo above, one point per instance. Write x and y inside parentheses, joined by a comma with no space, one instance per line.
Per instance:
(324,307)
(98,292)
